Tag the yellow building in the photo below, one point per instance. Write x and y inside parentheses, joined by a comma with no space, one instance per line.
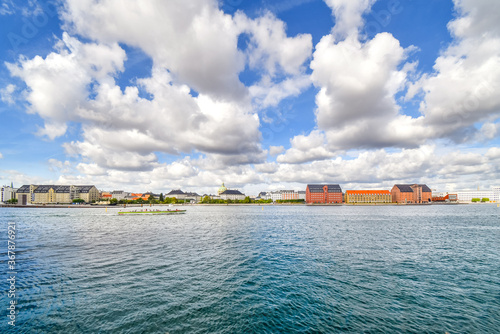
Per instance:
(44,194)
(87,193)
(25,195)
(368,196)
(53,194)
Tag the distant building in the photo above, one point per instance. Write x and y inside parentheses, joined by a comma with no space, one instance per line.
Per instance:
(276,196)
(53,194)
(411,193)
(264,195)
(467,196)
(7,193)
(444,197)
(106,195)
(187,196)
(177,193)
(323,193)
(368,196)
(211,196)
(119,194)
(280,195)
(232,195)
(221,189)
(302,195)
(25,194)
(289,194)
(143,196)
(149,195)
(192,197)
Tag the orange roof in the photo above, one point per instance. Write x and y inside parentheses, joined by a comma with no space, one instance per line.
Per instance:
(367,192)
(137,196)
(106,196)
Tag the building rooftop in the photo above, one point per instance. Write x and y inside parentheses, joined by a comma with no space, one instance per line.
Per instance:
(318,188)
(231,192)
(176,192)
(84,189)
(407,188)
(24,189)
(368,192)
(43,189)
(62,189)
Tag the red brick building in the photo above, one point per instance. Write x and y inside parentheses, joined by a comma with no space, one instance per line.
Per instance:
(411,193)
(323,193)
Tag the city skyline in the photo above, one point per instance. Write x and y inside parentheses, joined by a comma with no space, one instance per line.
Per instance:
(259,95)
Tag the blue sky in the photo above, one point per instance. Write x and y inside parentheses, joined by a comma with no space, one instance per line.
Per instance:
(261,95)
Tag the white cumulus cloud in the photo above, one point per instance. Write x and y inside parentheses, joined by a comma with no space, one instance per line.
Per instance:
(194,47)
(462,91)
(348,16)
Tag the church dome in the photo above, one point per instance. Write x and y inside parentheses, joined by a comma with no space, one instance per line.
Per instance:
(222,189)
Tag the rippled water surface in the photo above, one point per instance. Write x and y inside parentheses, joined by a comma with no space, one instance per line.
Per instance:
(244,269)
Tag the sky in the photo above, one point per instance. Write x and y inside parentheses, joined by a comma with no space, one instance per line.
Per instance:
(262,95)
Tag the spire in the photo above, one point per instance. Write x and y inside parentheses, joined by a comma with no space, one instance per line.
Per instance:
(222,189)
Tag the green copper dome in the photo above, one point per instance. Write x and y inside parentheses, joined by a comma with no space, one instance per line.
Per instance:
(222,189)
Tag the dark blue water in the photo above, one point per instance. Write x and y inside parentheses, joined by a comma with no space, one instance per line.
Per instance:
(397,269)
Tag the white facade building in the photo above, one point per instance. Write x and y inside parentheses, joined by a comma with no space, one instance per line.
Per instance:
(7,193)
(280,195)
(467,196)
(264,195)
(119,194)
(276,196)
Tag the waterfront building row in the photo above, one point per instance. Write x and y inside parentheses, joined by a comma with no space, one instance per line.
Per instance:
(400,193)
(192,197)
(222,193)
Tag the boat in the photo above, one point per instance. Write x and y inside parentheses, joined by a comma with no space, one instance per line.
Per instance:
(152,212)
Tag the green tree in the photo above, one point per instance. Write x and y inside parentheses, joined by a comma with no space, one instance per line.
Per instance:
(161,199)
(247,200)
(12,201)
(475,200)
(78,200)
(174,200)
(113,201)
(486,199)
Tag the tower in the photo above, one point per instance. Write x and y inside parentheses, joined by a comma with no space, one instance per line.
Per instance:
(221,189)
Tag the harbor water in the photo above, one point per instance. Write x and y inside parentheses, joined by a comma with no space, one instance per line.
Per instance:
(248,269)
